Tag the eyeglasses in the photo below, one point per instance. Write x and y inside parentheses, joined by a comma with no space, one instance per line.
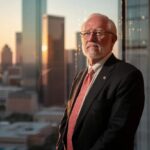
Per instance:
(98,34)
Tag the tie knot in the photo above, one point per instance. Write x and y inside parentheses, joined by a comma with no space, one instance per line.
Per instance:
(90,71)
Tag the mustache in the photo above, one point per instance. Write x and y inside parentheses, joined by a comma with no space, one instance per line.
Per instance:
(92,44)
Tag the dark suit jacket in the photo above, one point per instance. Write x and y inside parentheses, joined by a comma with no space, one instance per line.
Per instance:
(111,111)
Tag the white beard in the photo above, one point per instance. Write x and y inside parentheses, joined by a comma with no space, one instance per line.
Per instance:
(92,52)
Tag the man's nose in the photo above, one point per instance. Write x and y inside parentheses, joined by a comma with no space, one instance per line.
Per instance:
(92,37)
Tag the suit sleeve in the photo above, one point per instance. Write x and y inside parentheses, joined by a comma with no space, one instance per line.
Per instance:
(125,114)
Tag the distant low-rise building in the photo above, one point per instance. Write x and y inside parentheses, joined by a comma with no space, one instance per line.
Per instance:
(52,115)
(14,75)
(22,102)
(18,135)
(5,91)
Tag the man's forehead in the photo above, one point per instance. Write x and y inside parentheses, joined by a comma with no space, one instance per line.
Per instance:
(94,24)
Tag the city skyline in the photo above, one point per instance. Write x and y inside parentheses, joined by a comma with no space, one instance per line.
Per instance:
(74,12)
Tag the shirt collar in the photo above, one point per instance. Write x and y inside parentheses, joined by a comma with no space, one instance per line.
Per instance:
(99,64)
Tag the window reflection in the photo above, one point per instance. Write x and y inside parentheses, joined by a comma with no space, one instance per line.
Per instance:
(137,52)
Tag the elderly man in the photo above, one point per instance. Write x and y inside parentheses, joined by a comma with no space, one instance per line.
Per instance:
(106,99)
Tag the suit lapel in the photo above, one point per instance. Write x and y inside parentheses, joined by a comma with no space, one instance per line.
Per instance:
(76,88)
(97,86)
(73,94)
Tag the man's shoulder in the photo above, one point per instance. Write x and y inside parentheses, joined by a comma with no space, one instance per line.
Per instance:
(127,70)
(122,68)
(126,66)
(122,65)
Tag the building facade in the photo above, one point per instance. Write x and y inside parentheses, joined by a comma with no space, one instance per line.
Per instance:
(6,58)
(71,68)
(22,102)
(33,10)
(18,48)
(81,59)
(53,68)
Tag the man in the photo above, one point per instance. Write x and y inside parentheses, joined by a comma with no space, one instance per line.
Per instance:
(106,114)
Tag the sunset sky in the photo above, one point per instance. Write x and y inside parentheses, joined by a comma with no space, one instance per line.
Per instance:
(74,11)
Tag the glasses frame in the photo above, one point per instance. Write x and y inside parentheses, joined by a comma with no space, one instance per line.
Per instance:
(97,33)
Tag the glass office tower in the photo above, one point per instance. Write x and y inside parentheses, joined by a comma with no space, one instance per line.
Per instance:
(33,10)
(53,68)
(137,52)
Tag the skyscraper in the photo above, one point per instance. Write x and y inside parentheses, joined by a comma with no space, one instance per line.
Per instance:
(6,58)
(137,52)
(18,48)
(53,70)
(81,59)
(33,10)
(71,68)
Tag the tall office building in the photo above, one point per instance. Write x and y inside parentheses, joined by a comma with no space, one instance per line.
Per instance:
(71,68)
(6,58)
(53,70)
(18,48)
(33,10)
(81,59)
(137,52)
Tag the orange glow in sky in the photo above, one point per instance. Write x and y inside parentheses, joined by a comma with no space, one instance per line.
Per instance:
(74,11)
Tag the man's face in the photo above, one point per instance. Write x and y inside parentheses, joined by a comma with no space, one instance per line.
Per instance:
(97,40)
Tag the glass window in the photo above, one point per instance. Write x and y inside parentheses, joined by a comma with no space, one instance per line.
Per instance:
(137,52)
(41,54)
